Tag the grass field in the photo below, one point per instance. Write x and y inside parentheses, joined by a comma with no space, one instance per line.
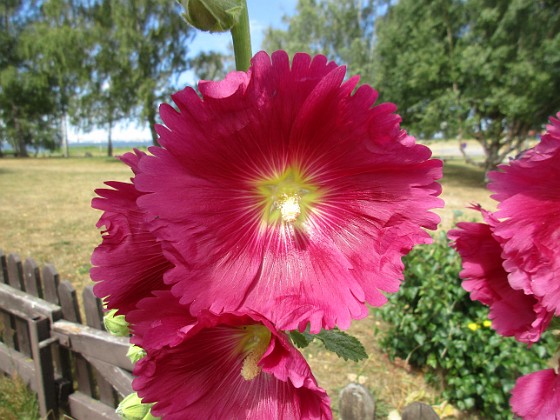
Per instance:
(45,213)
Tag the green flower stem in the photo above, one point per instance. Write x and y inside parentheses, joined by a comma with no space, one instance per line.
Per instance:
(241,36)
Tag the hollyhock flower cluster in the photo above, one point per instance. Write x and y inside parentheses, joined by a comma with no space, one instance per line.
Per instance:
(511,261)
(281,198)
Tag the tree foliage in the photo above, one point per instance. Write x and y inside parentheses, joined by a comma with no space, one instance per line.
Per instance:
(343,30)
(139,48)
(486,69)
(98,61)
(28,111)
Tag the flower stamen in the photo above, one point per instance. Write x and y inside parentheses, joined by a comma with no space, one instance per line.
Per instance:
(287,197)
(254,343)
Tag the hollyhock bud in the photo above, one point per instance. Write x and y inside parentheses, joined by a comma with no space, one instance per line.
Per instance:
(115,324)
(135,353)
(131,408)
(212,16)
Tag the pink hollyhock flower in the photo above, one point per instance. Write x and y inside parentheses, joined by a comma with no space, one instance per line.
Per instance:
(129,263)
(230,365)
(286,191)
(536,396)
(513,313)
(528,190)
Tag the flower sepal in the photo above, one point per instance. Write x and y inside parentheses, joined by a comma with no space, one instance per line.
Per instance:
(132,408)
(115,324)
(212,16)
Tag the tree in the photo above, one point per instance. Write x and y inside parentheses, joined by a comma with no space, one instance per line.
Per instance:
(57,44)
(477,68)
(509,72)
(486,69)
(27,108)
(343,30)
(212,65)
(140,47)
(414,63)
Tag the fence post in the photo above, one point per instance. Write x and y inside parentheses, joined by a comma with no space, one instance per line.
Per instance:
(356,403)
(8,327)
(71,312)
(39,331)
(15,279)
(32,278)
(94,318)
(419,411)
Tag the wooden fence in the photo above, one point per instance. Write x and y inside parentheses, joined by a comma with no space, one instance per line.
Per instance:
(75,369)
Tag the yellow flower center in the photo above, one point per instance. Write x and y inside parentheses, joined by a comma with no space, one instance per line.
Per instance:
(254,343)
(287,197)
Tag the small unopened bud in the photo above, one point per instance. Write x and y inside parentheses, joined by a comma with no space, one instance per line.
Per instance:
(131,408)
(135,353)
(115,324)
(212,15)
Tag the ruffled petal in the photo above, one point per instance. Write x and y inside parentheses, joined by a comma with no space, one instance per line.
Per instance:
(129,263)
(536,396)
(528,189)
(513,313)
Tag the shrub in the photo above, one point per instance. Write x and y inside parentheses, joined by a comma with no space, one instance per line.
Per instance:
(434,325)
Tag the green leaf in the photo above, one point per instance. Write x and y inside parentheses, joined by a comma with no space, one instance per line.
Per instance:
(343,344)
(301,340)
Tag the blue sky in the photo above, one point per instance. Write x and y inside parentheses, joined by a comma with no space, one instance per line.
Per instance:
(262,14)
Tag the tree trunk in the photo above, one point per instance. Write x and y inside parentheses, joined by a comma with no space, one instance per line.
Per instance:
(152,123)
(110,138)
(64,135)
(20,144)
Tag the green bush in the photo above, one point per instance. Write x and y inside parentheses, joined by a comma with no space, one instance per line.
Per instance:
(434,325)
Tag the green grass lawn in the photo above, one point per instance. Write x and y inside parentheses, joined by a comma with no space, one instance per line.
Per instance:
(45,213)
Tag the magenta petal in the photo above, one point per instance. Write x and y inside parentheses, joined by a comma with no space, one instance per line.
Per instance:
(513,313)
(159,320)
(528,189)
(129,263)
(536,396)
(201,375)
(375,188)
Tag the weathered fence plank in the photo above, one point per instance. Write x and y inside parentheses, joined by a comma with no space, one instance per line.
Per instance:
(3,268)
(15,279)
(15,363)
(419,411)
(356,403)
(32,278)
(94,318)
(92,342)
(50,284)
(15,272)
(119,378)
(39,332)
(26,304)
(71,312)
(86,408)
(7,326)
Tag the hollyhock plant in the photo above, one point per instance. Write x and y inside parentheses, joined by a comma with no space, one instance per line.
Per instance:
(284,190)
(513,313)
(537,396)
(528,190)
(230,365)
(129,263)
